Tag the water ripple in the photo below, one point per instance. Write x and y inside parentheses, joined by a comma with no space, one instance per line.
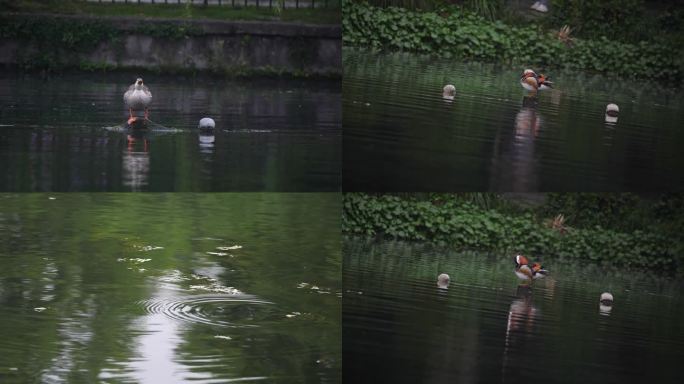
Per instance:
(215,310)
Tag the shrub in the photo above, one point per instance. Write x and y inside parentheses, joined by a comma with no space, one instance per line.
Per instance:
(465,35)
(465,226)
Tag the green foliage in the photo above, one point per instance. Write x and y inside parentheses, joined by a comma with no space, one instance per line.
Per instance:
(464,225)
(488,9)
(621,20)
(54,39)
(77,35)
(408,4)
(170,30)
(621,211)
(452,31)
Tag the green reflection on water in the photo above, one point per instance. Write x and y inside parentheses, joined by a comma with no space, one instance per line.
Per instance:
(400,135)
(483,328)
(83,257)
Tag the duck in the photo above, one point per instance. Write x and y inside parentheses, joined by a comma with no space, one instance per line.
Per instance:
(533,82)
(138,96)
(526,271)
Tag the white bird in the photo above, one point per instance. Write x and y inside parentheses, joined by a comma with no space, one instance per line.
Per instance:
(138,96)
(206,123)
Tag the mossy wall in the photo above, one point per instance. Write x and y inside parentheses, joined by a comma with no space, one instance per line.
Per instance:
(233,48)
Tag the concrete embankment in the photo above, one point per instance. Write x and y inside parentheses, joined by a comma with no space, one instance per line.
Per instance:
(53,42)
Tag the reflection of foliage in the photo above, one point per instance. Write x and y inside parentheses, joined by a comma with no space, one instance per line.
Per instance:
(461,223)
(468,36)
(70,248)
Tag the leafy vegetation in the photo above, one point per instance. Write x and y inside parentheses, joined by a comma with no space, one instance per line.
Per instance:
(594,231)
(455,32)
(619,20)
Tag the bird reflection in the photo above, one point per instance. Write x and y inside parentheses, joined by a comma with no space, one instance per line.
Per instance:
(136,161)
(522,316)
(527,122)
(514,158)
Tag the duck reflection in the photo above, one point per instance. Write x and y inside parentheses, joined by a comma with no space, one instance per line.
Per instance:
(527,122)
(522,317)
(136,161)
(514,158)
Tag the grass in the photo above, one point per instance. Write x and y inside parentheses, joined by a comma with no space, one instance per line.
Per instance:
(330,15)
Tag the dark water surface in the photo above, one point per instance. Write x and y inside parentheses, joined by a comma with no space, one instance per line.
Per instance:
(170,288)
(401,135)
(398,326)
(61,134)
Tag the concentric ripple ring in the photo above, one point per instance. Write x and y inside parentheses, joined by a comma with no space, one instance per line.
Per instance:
(216,310)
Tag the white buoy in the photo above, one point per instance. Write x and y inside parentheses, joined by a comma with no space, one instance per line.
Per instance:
(612,111)
(443,280)
(449,91)
(612,108)
(207,123)
(605,304)
(606,298)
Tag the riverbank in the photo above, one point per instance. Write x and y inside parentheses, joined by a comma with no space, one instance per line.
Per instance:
(454,32)
(613,229)
(56,43)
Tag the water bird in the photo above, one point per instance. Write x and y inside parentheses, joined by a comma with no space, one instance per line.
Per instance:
(443,280)
(138,96)
(449,92)
(526,271)
(533,82)
(206,123)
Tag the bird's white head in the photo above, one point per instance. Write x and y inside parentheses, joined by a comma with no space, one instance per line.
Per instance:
(138,83)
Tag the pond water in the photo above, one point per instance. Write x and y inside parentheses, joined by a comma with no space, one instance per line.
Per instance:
(398,326)
(64,134)
(401,135)
(169,288)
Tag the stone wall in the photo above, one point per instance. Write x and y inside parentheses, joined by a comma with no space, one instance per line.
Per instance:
(230,47)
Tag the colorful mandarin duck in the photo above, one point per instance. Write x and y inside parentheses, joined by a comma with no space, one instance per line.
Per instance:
(526,271)
(533,82)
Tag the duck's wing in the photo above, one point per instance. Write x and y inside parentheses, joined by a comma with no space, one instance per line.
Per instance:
(128,92)
(531,81)
(146,90)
